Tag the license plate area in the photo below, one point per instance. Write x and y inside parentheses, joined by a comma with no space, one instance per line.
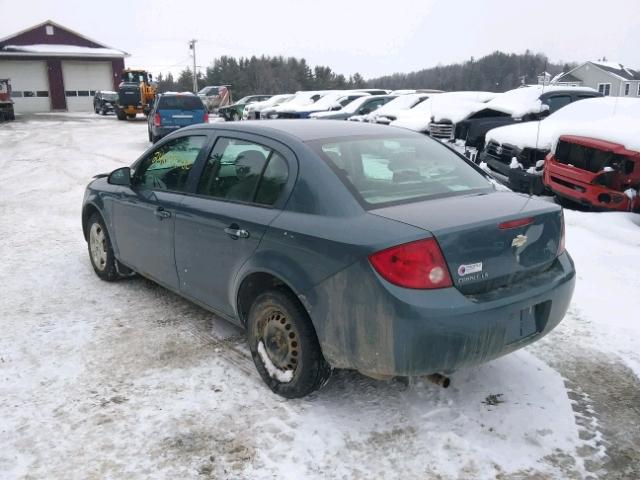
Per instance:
(527,322)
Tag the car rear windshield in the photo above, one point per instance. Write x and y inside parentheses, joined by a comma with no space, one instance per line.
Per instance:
(381,171)
(186,102)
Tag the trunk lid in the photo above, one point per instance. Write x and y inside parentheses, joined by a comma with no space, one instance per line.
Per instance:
(480,255)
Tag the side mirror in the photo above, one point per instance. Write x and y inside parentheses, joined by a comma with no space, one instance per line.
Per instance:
(121,176)
(365,111)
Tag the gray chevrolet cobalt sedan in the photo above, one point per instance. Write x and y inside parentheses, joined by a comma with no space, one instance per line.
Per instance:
(336,245)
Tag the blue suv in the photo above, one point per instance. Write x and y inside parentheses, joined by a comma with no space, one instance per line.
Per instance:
(172,111)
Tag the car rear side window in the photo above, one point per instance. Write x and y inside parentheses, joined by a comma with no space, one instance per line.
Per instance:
(380,170)
(168,167)
(182,102)
(273,180)
(243,171)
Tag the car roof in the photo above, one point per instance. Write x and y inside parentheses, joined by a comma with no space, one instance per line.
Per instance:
(306,130)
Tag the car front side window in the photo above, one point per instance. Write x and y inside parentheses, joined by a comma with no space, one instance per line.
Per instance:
(167,168)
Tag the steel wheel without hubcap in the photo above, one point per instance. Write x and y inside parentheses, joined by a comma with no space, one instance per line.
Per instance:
(284,345)
(280,339)
(98,246)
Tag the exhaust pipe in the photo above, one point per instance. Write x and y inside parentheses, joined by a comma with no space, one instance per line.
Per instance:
(439,379)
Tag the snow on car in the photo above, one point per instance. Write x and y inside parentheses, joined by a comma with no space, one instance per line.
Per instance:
(333,100)
(390,111)
(530,142)
(252,110)
(438,115)
(524,104)
(299,100)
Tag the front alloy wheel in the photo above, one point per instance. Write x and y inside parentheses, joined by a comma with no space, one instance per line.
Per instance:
(100,250)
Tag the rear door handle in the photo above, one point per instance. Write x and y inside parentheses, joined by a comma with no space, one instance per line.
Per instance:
(161,213)
(235,232)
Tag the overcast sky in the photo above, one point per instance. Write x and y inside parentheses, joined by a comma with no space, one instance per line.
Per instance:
(373,37)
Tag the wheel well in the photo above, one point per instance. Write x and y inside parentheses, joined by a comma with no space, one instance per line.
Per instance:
(254,285)
(86,214)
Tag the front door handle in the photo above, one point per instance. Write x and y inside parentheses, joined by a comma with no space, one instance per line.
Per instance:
(161,213)
(235,232)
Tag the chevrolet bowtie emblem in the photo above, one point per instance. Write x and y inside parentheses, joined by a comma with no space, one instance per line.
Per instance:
(519,241)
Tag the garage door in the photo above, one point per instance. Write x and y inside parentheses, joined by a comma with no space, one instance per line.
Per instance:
(81,80)
(29,84)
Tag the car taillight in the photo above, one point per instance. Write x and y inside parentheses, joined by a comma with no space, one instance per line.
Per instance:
(206,117)
(156,120)
(561,247)
(417,264)
(521,222)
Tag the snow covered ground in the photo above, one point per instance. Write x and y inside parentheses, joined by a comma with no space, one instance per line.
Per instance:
(127,380)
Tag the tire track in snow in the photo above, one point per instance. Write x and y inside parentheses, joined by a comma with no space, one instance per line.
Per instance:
(605,397)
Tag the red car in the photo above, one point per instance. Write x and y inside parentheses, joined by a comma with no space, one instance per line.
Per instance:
(595,173)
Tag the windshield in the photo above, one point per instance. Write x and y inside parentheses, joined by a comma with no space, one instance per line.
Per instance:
(186,102)
(386,170)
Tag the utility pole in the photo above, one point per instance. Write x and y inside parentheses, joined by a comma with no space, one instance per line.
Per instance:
(192,46)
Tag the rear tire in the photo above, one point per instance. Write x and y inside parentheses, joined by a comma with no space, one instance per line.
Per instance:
(131,116)
(101,254)
(284,345)
(120,114)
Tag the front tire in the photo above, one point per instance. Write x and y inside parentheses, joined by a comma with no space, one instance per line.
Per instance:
(284,345)
(100,249)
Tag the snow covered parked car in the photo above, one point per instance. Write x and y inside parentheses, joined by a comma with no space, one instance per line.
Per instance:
(333,100)
(438,115)
(522,104)
(598,164)
(390,111)
(360,106)
(252,110)
(300,99)
(515,153)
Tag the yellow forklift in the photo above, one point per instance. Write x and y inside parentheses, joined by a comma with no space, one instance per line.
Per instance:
(136,94)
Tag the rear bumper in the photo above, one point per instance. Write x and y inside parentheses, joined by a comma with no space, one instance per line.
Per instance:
(367,324)
(163,131)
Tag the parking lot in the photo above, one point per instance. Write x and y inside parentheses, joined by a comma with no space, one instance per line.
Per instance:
(127,380)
